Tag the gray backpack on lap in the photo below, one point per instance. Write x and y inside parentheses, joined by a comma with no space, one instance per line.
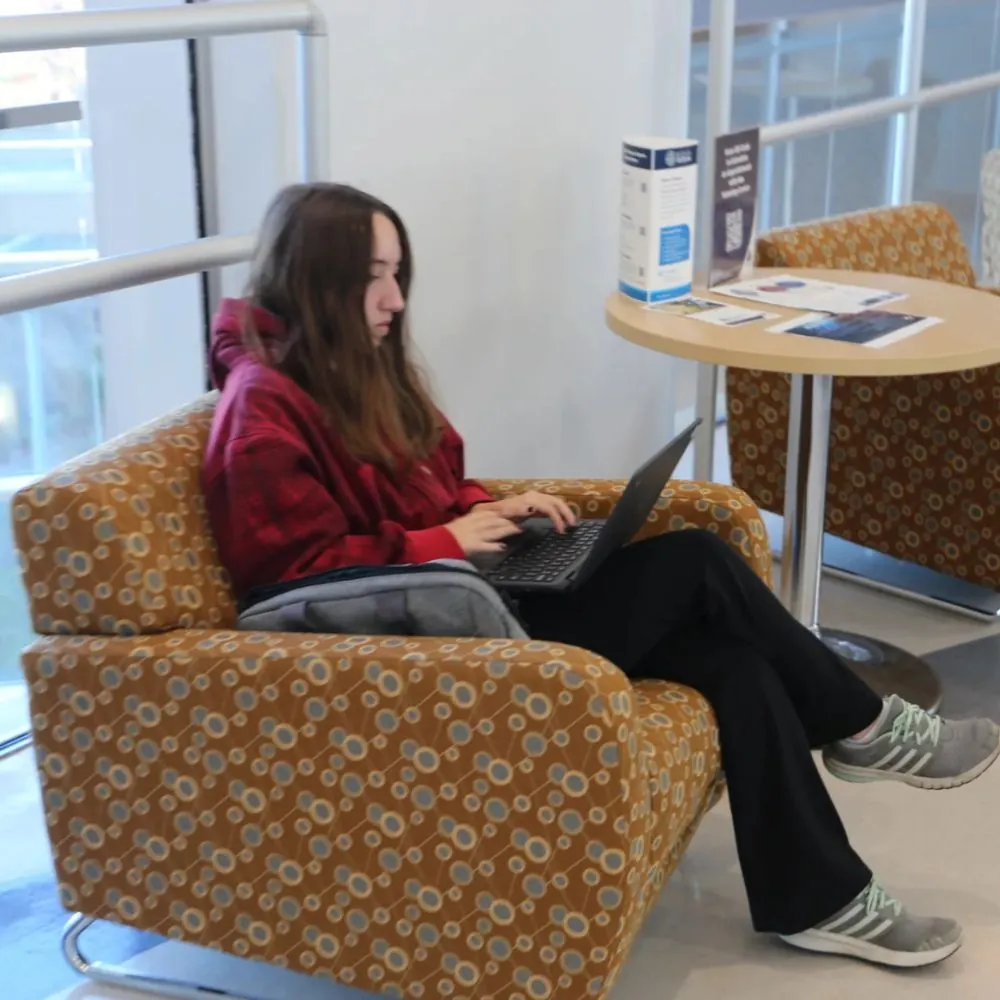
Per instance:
(443,598)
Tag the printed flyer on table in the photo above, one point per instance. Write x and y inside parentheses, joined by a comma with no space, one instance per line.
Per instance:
(809,294)
(869,329)
(716,313)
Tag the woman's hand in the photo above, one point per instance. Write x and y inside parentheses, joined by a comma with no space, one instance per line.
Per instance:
(534,504)
(482,531)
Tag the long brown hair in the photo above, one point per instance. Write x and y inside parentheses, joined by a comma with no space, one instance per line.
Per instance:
(311,269)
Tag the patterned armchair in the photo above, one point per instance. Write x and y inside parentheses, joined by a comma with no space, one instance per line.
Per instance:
(415,817)
(913,460)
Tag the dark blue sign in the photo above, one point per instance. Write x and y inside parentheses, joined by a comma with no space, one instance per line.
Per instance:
(734,203)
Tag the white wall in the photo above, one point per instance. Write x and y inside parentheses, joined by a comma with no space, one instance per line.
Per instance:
(494,129)
(139,115)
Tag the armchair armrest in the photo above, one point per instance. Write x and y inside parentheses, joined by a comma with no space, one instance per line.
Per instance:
(281,795)
(726,510)
(989,289)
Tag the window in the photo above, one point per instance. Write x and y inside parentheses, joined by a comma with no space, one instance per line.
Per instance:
(76,372)
(51,380)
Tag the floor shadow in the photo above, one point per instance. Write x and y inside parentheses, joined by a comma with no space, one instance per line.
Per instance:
(31,922)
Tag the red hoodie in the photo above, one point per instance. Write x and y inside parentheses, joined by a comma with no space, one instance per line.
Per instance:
(287,500)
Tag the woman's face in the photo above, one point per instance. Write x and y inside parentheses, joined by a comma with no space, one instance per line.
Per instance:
(383,297)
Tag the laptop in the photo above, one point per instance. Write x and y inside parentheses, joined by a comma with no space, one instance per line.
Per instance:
(541,560)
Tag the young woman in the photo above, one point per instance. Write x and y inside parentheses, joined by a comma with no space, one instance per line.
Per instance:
(327,451)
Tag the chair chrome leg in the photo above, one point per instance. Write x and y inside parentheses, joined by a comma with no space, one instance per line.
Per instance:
(112,975)
(75,926)
(10,745)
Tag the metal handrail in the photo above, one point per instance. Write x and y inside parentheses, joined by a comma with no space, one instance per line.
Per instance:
(870,111)
(111,274)
(90,28)
(19,145)
(69,29)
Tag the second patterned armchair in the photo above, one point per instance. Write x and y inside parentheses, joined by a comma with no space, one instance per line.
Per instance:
(915,460)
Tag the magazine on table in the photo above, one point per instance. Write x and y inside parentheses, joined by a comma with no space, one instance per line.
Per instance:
(872,328)
(808,294)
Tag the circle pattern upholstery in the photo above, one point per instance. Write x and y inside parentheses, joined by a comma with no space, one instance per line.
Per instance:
(411,817)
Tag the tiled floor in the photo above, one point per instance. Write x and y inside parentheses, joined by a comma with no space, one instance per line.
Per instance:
(14,717)
(31,918)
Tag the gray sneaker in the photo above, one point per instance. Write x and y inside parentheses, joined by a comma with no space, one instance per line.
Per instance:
(875,928)
(917,748)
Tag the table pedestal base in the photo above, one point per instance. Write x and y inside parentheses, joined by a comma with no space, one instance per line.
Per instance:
(887,669)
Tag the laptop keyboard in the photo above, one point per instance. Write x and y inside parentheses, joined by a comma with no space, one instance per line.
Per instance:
(548,559)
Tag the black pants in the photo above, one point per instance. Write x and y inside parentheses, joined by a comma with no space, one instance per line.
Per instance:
(685,607)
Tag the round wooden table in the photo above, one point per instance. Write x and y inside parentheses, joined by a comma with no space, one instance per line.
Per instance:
(968,337)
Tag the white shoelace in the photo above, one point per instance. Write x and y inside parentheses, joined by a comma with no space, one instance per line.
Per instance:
(914,725)
(877,899)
